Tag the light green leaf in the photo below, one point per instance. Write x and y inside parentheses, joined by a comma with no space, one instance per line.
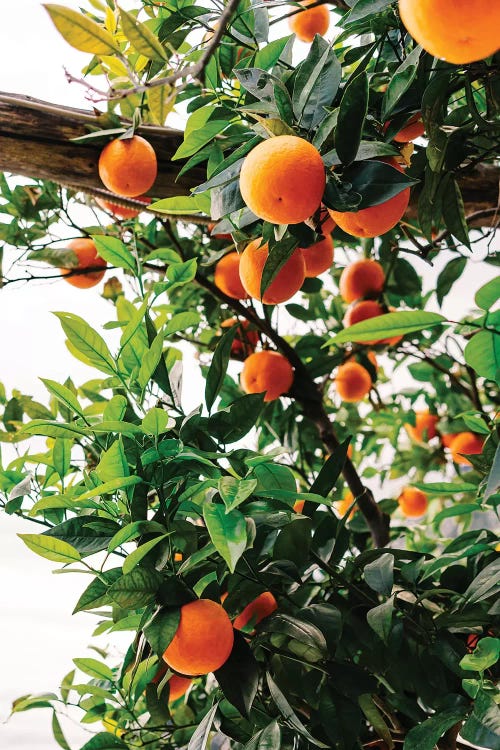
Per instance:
(228,532)
(157,421)
(380,619)
(115,252)
(235,491)
(94,668)
(136,556)
(391,324)
(133,530)
(63,394)
(485,655)
(142,39)
(51,548)
(80,31)
(109,487)
(113,463)
(489,294)
(53,429)
(424,736)
(483,354)
(87,342)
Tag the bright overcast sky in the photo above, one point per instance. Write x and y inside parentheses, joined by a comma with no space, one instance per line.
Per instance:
(39,636)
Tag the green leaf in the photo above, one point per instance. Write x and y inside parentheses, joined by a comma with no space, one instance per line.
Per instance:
(485,655)
(233,423)
(109,487)
(235,491)
(87,342)
(142,39)
(218,367)
(482,728)
(351,118)
(268,738)
(61,456)
(137,555)
(425,736)
(330,471)
(450,273)
(182,273)
(58,733)
(136,589)
(115,252)
(81,32)
(454,212)
(86,534)
(156,421)
(379,574)
(288,713)
(484,584)
(400,81)
(316,83)
(95,595)
(365,9)
(482,353)
(201,734)
(64,395)
(375,719)
(228,532)
(182,204)
(278,256)
(380,619)
(376,181)
(445,488)
(133,530)
(493,484)
(51,548)
(53,429)
(160,630)
(104,741)
(489,294)
(94,668)
(391,324)
(181,321)
(238,677)
(113,463)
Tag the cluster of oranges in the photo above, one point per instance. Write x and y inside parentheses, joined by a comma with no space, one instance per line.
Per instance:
(128,168)
(204,639)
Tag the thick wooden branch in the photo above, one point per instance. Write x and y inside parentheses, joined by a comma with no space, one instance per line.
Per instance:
(35,141)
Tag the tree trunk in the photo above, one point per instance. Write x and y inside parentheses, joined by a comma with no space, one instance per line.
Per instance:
(36,141)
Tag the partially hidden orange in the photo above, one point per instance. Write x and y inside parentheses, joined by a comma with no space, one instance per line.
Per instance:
(261,607)
(466,444)
(308,23)
(285,284)
(413,502)
(318,257)
(227,276)
(86,252)
(352,382)
(363,278)
(267,372)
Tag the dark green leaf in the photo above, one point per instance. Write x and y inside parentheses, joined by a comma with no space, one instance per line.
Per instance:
(379,574)
(218,367)
(278,256)
(425,735)
(450,273)
(160,630)
(376,181)
(351,119)
(136,589)
(238,677)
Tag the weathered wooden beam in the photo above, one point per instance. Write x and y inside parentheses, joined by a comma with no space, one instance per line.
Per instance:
(36,141)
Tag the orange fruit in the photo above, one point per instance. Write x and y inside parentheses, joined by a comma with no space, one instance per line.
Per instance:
(178,687)
(267,372)
(326,223)
(414,128)
(203,640)
(246,338)
(363,310)
(448,438)
(285,284)
(424,428)
(467,443)
(282,179)
(458,31)
(342,506)
(254,612)
(308,23)
(227,276)
(210,228)
(413,502)
(122,211)
(86,252)
(318,257)
(352,381)
(128,166)
(298,506)
(375,220)
(363,278)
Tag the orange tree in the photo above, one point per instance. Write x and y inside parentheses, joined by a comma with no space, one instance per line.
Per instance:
(345,502)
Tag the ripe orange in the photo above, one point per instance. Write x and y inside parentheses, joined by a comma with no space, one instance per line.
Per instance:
(128,166)
(246,338)
(227,276)
(363,278)
(468,443)
(254,612)
(448,438)
(414,128)
(424,428)
(298,506)
(310,22)
(86,252)
(203,641)
(375,220)
(267,372)
(342,506)
(318,257)
(285,284)
(178,687)
(122,211)
(282,180)
(413,502)
(459,31)
(352,382)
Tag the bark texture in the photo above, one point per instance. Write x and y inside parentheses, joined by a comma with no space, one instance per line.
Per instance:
(35,141)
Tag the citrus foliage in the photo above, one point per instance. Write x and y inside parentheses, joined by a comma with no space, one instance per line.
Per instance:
(161,507)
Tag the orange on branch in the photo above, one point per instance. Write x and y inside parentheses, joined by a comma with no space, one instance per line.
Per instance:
(246,338)
(448,438)
(128,166)
(375,220)
(414,128)
(306,24)
(267,372)
(363,278)
(122,212)
(203,640)
(352,382)
(318,257)
(282,180)
(254,612)
(424,427)
(86,252)
(178,686)
(413,502)
(458,31)
(285,284)
(227,276)
(468,443)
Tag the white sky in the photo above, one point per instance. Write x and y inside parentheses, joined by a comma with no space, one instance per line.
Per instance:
(39,635)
